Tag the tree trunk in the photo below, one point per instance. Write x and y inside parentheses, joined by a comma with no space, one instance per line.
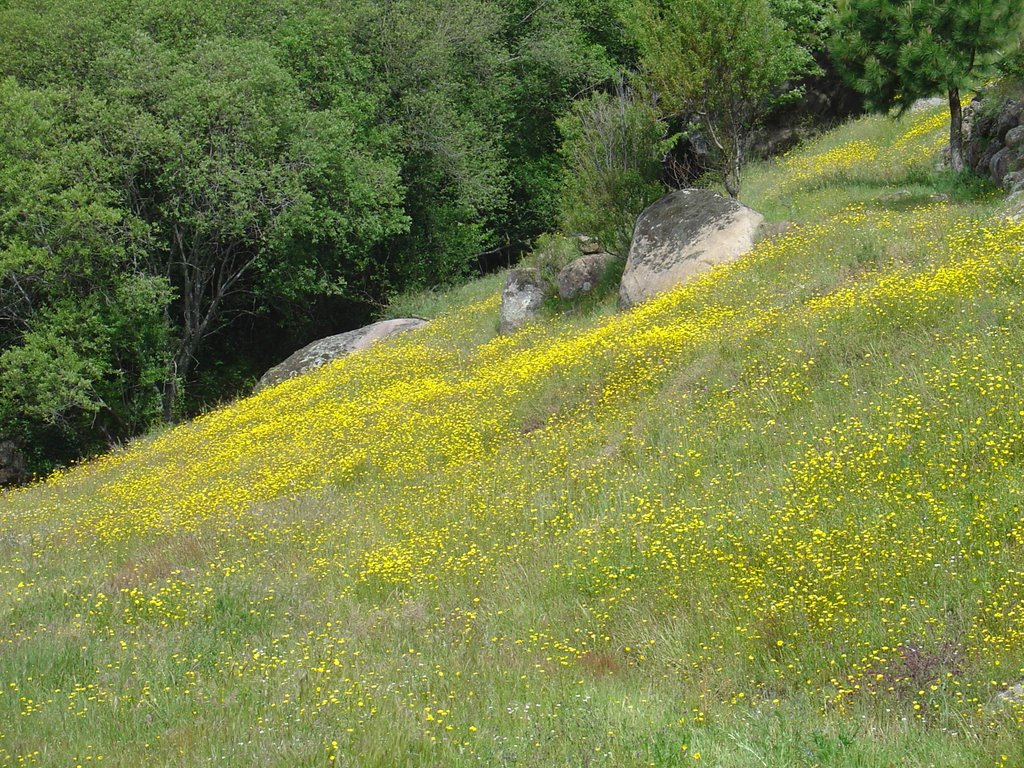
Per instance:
(956,131)
(170,395)
(734,161)
(732,185)
(177,372)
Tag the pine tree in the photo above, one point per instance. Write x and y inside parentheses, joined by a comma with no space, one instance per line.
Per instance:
(898,51)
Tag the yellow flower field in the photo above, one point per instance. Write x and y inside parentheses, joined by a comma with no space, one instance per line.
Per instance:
(770,518)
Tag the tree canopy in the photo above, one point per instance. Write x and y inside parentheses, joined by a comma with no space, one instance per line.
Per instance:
(176,173)
(722,65)
(898,51)
(190,189)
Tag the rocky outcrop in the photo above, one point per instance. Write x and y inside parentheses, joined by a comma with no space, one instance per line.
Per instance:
(581,276)
(994,140)
(994,146)
(1014,138)
(683,234)
(1012,695)
(13,470)
(334,347)
(521,299)
(1014,208)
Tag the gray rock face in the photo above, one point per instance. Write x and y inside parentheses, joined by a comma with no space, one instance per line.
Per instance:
(521,299)
(1015,137)
(588,244)
(976,146)
(1014,207)
(984,167)
(1009,117)
(582,275)
(1014,181)
(334,347)
(683,234)
(12,464)
(994,141)
(1001,164)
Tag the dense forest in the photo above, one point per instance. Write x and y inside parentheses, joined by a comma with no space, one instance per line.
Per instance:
(190,190)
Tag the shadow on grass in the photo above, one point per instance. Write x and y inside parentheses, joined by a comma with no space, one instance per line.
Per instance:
(913,190)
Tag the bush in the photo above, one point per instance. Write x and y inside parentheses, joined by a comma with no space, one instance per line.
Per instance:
(550,254)
(613,145)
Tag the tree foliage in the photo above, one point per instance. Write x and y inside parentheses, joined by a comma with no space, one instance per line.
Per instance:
(82,334)
(722,65)
(811,22)
(174,174)
(251,194)
(613,146)
(898,51)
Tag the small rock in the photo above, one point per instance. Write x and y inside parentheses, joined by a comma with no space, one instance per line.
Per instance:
(521,299)
(769,231)
(588,245)
(1012,695)
(1014,137)
(582,275)
(1014,181)
(898,196)
(932,102)
(1014,208)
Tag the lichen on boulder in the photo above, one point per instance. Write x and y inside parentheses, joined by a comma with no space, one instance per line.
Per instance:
(683,234)
(521,299)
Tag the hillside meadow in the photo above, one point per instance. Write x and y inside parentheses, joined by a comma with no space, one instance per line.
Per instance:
(772,518)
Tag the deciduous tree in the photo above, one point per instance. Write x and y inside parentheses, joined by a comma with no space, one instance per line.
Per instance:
(83,336)
(722,64)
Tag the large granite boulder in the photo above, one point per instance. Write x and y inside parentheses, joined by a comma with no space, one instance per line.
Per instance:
(521,299)
(1002,163)
(977,135)
(1010,116)
(12,464)
(581,276)
(683,234)
(334,347)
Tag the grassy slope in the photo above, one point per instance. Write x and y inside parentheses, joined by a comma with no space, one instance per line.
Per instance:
(771,518)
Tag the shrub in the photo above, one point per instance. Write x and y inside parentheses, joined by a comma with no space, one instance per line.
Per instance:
(612,147)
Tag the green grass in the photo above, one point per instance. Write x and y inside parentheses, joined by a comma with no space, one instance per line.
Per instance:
(772,518)
(433,303)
